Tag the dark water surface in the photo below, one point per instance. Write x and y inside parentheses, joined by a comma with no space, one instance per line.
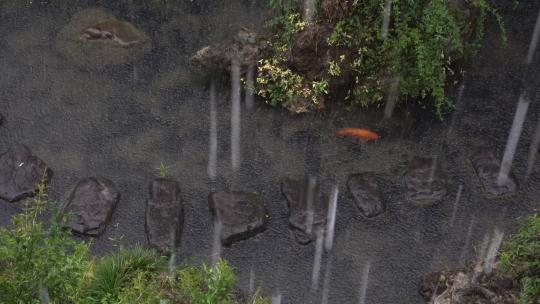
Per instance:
(122,122)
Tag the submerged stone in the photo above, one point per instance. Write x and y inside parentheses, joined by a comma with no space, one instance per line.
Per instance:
(95,38)
(425,182)
(91,204)
(241,214)
(121,32)
(367,194)
(487,169)
(308,207)
(20,173)
(164,215)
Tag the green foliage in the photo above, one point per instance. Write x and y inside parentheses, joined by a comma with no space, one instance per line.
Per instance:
(38,262)
(46,265)
(521,257)
(421,46)
(279,85)
(258,298)
(163,170)
(207,285)
(120,270)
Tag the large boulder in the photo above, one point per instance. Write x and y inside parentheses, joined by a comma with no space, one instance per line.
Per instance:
(20,173)
(94,38)
(366,193)
(241,214)
(164,215)
(308,207)
(90,205)
(425,182)
(487,168)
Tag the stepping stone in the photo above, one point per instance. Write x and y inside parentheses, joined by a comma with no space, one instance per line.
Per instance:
(241,214)
(487,167)
(20,173)
(308,207)
(91,204)
(425,182)
(367,194)
(164,215)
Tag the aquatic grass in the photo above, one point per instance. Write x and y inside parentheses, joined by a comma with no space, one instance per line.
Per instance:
(163,170)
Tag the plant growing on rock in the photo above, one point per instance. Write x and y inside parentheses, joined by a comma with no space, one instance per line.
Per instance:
(345,53)
(163,170)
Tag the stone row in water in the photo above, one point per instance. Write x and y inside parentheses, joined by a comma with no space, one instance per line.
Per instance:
(93,200)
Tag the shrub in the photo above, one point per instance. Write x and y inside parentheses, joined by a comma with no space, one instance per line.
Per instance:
(46,265)
(38,262)
(424,40)
(521,257)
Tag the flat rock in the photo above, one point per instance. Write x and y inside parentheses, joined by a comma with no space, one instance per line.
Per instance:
(20,173)
(244,49)
(367,194)
(241,214)
(308,207)
(91,204)
(164,215)
(425,182)
(94,38)
(487,167)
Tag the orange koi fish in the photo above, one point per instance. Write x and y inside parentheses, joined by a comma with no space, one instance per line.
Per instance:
(361,134)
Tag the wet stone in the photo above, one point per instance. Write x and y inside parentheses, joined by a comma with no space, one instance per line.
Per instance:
(20,173)
(164,215)
(91,204)
(245,49)
(425,182)
(367,194)
(487,168)
(308,207)
(241,214)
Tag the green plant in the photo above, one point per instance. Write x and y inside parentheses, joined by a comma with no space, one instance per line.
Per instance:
(163,170)
(521,257)
(142,289)
(258,298)
(115,272)
(207,285)
(38,262)
(46,265)
(425,40)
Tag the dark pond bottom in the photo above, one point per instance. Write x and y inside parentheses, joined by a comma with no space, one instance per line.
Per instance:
(121,123)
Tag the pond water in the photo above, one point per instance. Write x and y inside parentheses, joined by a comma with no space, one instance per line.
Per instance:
(122,122)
